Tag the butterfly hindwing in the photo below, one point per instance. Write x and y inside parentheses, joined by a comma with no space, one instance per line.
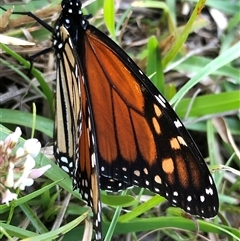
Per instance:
(81,164)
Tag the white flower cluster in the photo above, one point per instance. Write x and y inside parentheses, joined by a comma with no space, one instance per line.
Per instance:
(17,168)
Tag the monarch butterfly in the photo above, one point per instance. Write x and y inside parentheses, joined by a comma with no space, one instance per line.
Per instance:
(113,129)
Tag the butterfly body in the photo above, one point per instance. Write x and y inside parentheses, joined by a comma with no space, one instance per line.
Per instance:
(120,130)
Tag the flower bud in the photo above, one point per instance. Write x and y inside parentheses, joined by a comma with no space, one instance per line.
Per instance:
(32,147)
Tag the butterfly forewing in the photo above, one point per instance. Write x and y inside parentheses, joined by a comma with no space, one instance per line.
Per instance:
(140,139)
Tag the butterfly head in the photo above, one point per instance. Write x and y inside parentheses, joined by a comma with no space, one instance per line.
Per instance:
(72,6)
(71,9)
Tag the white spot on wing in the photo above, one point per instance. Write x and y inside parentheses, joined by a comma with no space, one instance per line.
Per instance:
(209,191)
(160,100)
(60,45)
(65,169)
(64,159)
(156,189)
(93,159)
(177,123)
(189,198)
(202,199)
(86,196)
(135,181)
(137,173)
(158,179)
(67,21)
(210,179)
